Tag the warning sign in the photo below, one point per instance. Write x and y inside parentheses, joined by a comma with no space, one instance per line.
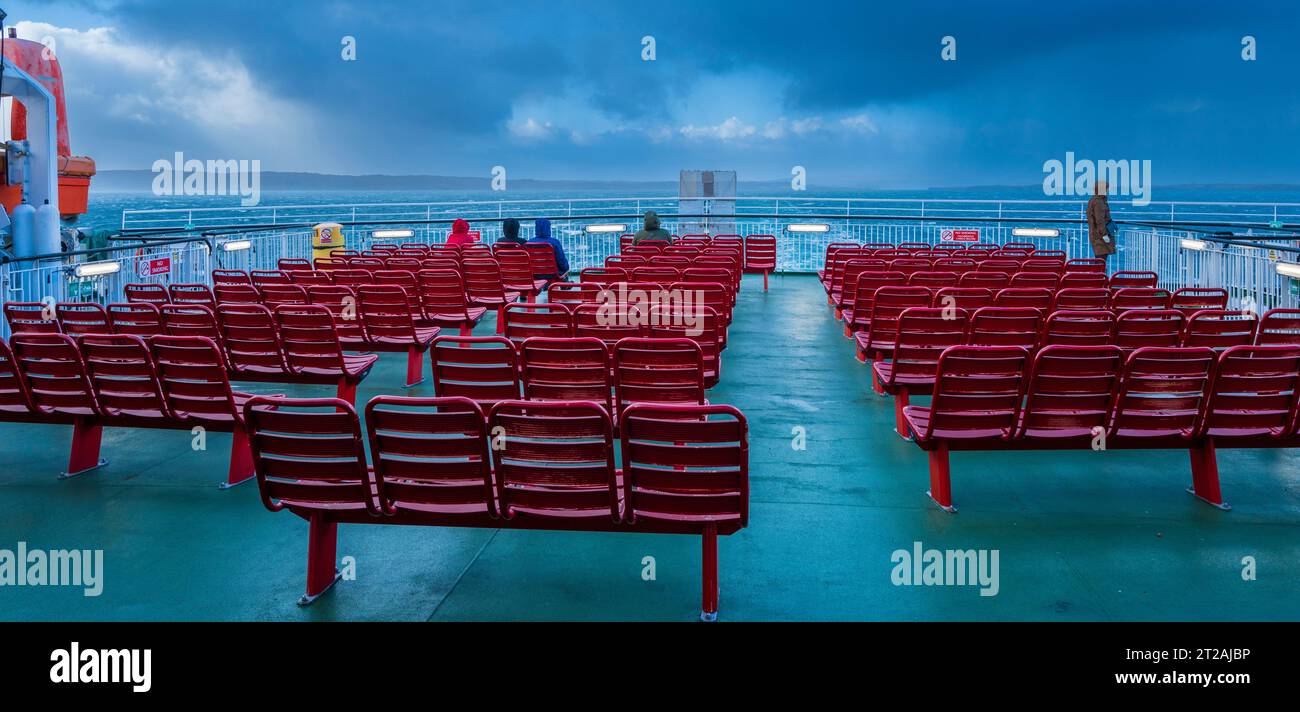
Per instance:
(948,235)
(153,267)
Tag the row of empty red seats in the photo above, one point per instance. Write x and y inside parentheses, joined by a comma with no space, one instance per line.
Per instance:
(978,252)
(536,259)
(1094,397)
(517,465)
(756,254)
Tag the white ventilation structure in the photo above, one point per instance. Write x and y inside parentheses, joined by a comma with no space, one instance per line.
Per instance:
(708,193)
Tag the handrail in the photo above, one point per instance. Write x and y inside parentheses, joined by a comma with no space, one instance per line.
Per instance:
(5,259)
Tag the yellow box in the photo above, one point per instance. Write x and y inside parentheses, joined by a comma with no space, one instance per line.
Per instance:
(326,237)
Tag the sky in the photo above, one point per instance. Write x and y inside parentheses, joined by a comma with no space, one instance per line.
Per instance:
(856,93)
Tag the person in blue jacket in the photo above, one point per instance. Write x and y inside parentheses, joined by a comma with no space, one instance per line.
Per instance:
(543,234)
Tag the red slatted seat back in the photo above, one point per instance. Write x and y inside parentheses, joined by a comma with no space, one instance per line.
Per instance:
(924,333)
(949,247)
(289,264)
(124,376)
(1162,392)
(190,320)
(968,298)
(986,247)
(76,319)
(1071,391)
(1031,297)
(646,249)
(344,254)
(405,279)
(609,322)
(13,392)
(625,262)
(1088,280)
(230,277)
(679,262)
(309,454)
(853,270)
(483,283)
(1255,390)
(760,252)
(439,264)
(836,263)
(442,294)
(1086,264)
(1139,328)
(193,376)
(650,370)
(1139,298)
(484,369)
(832,249)
(306,278)
(1138,280)
(1081,298)
(516,269)
(686,464)
(342,304)
(699,323)
(978,392)
(237,294)
(1035,280)
(662,276)
(407,264)
(996,264)
(956,265)
(995,281)
(273,295)
(308,339)
(865,294)
(1220,329)
(567,369)
(145,293)
(542,257)
(54,374)
(353,278)
(1190,300)
(138,319)
(386,315)
(556,460)
(687,250)
(528,319)
(913,246)
(887,305)
(1020,247)
(1006,326)
(31,318)
(1280,326)
(328,264)
(430,454)
(910,265)
(1035,265)
(195,294)
(572,293)
(1079,328)
(933,281)
(250,338)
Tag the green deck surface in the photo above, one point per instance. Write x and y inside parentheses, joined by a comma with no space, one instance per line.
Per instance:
(1080,535)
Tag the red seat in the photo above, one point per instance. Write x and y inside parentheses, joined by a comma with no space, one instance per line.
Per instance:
(1139,280)
(991,280)
(15,402)
(660,371)
(444,302)
(190,320)
(923,335)
(1081,298)
(760,255)
(933,281)
(528,319)
(957,265)
(291,265)
(859,303)
(155,294)
(353,278)
(125,378)
(406,281)
(191,294)
(342,304)
(1085,280)
(273,295)
(603,275)
(1161,394)
(31,318)
(876,342)
(306,278)
(1032,297)
(700,324)
(1007,326)
(389,325)
(1190,300)
(1086,264)
(1148,327)
(484,369)
(517,273)
(567,369)
(82,318)
(230,277)
(609,322)
(1280,326)
(1032,280)
(1220,329)
(252,345)
(1254,396)
(1079,328)
(313,353)
(1139,298)
(237,294)
(139,319)
(542,257)
(1037,265)
(1069,395)
(485,288)
(662,276)
(572,293)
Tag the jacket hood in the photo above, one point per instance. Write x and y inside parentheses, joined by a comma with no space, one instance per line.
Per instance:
(460,227)
(510,228)
(543,228)
(651,220)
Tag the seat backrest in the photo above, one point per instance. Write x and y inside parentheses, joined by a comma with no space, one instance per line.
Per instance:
(230,277)
(1089,280)
(1148,327)
(1079,328)
(342,304)
(352,277)
(442,292)
(956,265)
(864,294)
(237,294)
(1162,391)
(923,335)
(516,267)
(528,319)
(195,294)
(1000,264)
(1220,329)
(484,369)
(835,247)
(1005,326)
(602,275)
(138,318)
(430,452)
(1086,264)
(1040,264)
(685,463)
(14,397)
(992,280)
(274,295)
(145,293)
(190,320)
(1033,297)
(887,306)
(1086,298)
(1134,298)
(123,374)
(308,338)
(609,322)
(385,313)
(648,370)
(1046,280)
(760,252)
(309,453)
(249,336)
(1134,279)
(1280,326)
(404,279)
(933,281)
(1071,388)
(911,265)
(31,318)
(626,262)
(572,293)
(82,318)
(542,257)
(265,277)
(698,322)
(54,373)
(978,391)
(193,377)
(307,278)
(566,369)
(1190,300)
(1255,390)
(554,460)
(662,276)
(289,264)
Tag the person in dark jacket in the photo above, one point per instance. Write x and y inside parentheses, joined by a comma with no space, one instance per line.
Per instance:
(510,232)
(1100,225)
(542,229)
(651,231)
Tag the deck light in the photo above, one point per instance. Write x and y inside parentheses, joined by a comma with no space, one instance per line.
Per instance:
(808,227)
(391,234)
(97,269)
(1193,244)
(610,227)
(1289,269)
(236,245)
(1035,232)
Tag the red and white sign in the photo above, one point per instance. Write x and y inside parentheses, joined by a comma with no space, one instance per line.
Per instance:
(153,267)
(960,235)
(475,235)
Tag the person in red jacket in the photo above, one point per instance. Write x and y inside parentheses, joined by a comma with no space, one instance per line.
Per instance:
(460,234)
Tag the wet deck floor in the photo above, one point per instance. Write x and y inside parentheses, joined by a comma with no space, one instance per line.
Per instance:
(1079,536)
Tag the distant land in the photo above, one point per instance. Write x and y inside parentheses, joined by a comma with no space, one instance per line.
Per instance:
(141,181)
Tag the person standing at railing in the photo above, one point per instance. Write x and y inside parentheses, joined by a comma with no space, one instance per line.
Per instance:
(1101,230)
(542,230)
(652,230)
(510,232)
(460,234)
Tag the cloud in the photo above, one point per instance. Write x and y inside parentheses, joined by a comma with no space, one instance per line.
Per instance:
(729,130)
